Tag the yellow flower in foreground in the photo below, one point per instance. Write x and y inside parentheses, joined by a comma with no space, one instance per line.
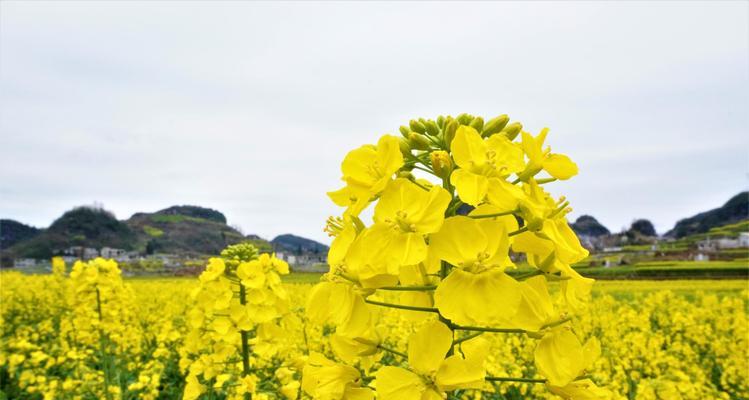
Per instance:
(251,274)
(536,308)
(326,380)
(404,214)
(477,291)
(557,165)
(483,163)
(366,171)
(584,389)
(339,304)
(213,270)
(431,373)
(561,358)
(349,349)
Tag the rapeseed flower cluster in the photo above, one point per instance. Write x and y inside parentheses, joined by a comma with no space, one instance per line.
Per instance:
(79,336)
(237,324)
(456,200)
(660,340)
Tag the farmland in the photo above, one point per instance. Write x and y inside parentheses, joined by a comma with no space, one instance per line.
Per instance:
(660,340)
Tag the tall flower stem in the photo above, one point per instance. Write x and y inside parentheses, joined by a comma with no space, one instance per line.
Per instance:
(424,288)
(245,344)
(401,306)
(102,348)
(508,379)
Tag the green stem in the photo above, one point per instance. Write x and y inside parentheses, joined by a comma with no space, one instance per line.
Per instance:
(410,288)
(556,323)
(245,344)
(545,180)
(420,185)
(529,275)
(519,231)
(466,338)
(453,208)
(493,215)
(487,329)
(389,350)
(102,348)
(423,169)
(402,307)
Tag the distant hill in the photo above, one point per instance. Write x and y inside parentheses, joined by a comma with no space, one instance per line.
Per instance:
(586,225)
(195,211)
(736,209)
(297,245)
(12,232)
(189,230)
(183,230)
(81,226)
(643,227)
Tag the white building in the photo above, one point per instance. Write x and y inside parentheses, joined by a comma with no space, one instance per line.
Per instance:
(24,262)
(724,243)
(117,254)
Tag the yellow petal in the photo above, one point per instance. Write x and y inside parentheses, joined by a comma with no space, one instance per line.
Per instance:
(411,275)
(583,389)
(354,198)
(575,290)
(395,383)
(532,148)
(428,345)
(358,393)
(592,351)
(322,378)
(408,207)
(477,299)
(468,148)
(460,240)
(536,308)
(559,356)
(317,308)
(472,188)
(560,166)
(504,195)
(368,265)
(349,349)
(508,156)
(476,350)
(458,373)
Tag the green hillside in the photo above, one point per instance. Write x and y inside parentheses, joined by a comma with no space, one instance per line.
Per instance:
(81,226)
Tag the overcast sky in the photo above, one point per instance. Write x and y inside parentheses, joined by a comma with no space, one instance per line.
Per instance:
(249,108)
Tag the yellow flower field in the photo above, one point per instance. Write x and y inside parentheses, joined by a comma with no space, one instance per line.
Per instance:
(659,340)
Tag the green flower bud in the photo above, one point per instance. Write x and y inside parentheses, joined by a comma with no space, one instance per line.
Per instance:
(512,130)
(441,121)
(464,119)
(417,126)
(404,146)
(405,131)
(477,124)
(432,128)
(418,141)
(495,125)
(450,129)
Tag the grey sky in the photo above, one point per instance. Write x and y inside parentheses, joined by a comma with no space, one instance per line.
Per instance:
(250,107)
